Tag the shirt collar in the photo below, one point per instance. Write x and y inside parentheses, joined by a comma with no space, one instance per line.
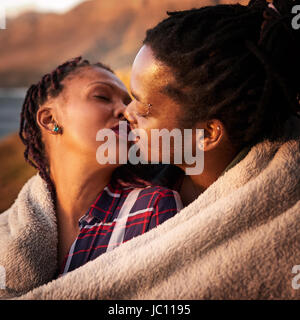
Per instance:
(105,204)
(239,157)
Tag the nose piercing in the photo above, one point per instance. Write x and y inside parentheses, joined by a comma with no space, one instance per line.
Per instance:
(149,105)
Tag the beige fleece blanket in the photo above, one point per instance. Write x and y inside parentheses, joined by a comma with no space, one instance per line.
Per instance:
(239,240)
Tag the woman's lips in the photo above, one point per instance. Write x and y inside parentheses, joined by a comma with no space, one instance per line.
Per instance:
(117,128)
(125,130)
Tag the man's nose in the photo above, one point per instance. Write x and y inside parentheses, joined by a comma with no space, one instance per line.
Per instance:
(129,114)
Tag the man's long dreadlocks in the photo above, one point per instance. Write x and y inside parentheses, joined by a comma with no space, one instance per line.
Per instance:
(239,64)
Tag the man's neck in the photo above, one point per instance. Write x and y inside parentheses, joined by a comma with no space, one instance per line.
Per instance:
(214,166)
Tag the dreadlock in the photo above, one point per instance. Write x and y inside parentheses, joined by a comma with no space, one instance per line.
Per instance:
(50,86)
(239,64)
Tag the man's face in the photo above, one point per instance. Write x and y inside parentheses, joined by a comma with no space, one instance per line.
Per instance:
(151,108)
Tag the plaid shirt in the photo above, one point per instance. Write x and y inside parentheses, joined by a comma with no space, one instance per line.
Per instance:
(106,225)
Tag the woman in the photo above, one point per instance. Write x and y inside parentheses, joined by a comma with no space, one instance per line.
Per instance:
(97,207)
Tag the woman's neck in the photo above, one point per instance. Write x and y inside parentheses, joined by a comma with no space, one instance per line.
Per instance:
(77,183)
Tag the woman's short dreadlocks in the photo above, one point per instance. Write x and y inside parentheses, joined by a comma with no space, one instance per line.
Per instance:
(239,64)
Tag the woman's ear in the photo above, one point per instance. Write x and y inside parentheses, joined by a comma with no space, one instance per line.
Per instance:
(214,133)
(45,120)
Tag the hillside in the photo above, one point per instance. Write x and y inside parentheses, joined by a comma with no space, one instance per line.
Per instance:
(106,30)
(14,170)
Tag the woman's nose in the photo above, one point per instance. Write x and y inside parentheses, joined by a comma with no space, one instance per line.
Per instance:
(119,111)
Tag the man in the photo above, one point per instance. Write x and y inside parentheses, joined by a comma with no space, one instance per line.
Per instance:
(189,82)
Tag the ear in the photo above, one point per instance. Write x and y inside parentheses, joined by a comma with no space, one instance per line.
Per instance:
(214,133)
(45,119)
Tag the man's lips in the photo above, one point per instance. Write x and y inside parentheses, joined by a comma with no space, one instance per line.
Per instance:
(134,138)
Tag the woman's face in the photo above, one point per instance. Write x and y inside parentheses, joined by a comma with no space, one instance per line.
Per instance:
(92,99)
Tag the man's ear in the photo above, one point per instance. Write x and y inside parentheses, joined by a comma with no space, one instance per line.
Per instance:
(214,133)
(45,119)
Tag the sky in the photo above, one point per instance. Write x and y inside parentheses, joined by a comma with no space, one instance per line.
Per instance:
(15,7)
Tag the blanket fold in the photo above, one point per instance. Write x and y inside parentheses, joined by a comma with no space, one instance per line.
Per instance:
(28,240)
(239,240)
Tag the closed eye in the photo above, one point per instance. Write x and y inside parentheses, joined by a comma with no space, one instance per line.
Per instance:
(127,101)
(103,98)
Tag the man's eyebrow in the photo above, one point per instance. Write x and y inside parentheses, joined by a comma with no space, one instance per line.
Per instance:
(135,96)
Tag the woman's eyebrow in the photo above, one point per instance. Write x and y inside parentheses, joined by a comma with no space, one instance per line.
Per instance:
(102,82)
(112,86)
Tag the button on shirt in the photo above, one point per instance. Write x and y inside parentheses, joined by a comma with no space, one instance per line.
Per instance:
(118,215)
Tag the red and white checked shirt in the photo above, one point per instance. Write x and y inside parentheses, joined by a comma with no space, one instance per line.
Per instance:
(118,215)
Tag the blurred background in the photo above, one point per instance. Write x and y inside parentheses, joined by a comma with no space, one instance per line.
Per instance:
(41,34)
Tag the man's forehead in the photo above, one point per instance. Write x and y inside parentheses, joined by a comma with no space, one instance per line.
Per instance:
(148,69)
